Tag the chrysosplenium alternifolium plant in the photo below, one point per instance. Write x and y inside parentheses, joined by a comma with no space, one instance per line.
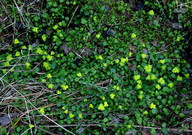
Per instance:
(130,78)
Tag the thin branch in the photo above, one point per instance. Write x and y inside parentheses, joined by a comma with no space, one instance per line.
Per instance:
(169,129)
(72,16)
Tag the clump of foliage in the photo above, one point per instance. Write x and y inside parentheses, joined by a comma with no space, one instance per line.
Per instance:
(96,67)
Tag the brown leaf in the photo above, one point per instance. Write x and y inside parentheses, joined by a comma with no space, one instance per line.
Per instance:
(80,130)
(5,120)
(35,44)
(145,51)
(129,133)
(132,3)
(87,52)
(176,26)
(164,1)
(163,47)
(144,133)
(154,43)
(66,49)
(181,10)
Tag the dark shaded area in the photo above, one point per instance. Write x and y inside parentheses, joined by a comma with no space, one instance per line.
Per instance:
(188,50)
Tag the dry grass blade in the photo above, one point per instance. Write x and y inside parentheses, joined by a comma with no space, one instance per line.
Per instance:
(28,101)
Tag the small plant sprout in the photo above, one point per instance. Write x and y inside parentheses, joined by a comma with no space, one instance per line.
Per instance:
(175,70)
(58,92)
(46,65)
(162,61)
(129,126)
(140,95)
(152,106)
(117,61)
(91,105)
(187,75)
(178,38)
(99,57)
(116,87)
(42,110)
(158,86)
(161,81)
(24,47)
(136,77)
(49,75)
(130,54)
(49,57)
(6,63)
(106,104)
(138,86)
(31,126)
(79,74)
(151,77)
(120,106)
(9,57)
(55,27)
(50,86)
(148,68)
(44,37)
(17,54)
(95,18)
(64,87)
(98,35)
(39,51)
(74,3)
(71,115)
(43,80)
(123,60)
(102,97)
(16,41)
(179,78)
(30,47)
(139,81)
(35,29)
(101,107)
(171,85)
(145,112)
(112,95)
(163,67)
(105,64)
(151,12)
(143,56)
(66,111)
(133,35)
(52,53)
(27,64)
(143,45)
(80,115)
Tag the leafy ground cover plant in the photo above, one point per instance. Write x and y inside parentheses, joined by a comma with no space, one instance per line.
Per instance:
(95,67)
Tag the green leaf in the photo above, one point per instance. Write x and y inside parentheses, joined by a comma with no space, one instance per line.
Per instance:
(164,124)
(139,120)
(105,120)
(93,116)
(165,131)
(154,111)
(181,115)
(68,39)
(153,131)
(61,1)
(113,70)
(83,21)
